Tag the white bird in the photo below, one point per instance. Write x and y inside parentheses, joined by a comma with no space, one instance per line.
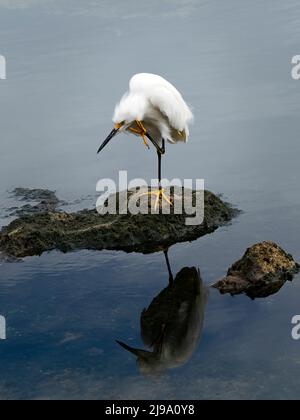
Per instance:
(154,110)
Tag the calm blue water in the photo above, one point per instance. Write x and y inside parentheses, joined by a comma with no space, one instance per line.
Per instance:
(68,63)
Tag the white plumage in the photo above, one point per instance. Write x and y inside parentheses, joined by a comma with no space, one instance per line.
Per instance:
(154,110)
(156,103)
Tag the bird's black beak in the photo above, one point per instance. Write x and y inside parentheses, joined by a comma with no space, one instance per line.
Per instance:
(108,139)
(141,354)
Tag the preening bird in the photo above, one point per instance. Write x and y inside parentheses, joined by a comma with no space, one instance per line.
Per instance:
(154,110)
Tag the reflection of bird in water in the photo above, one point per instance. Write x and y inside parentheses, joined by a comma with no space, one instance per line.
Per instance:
(172,325)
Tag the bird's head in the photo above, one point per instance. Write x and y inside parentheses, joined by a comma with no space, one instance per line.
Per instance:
(131,108)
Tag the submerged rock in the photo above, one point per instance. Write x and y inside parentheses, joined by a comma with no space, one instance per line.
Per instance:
(45,201)
(262,271)
(36,194)
(49,230)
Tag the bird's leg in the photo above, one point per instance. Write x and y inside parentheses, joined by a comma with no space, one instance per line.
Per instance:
(160,193)
(143,133)
(171,277)
(159,154)
(140,131)
(160,150)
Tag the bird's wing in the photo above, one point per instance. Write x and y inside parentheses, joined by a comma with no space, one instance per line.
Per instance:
(171,104)
(166,105)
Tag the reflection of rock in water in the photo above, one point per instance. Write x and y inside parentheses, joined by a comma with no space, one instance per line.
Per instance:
(172,325)
(262,271)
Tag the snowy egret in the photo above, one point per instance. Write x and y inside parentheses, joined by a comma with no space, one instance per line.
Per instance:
(154,110)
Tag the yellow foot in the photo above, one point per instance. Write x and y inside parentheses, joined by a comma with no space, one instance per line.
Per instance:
(143,133)
(140,131)
(160,197)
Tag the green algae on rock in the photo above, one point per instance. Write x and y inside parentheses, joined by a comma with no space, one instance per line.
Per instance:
(262,271)
(34,234)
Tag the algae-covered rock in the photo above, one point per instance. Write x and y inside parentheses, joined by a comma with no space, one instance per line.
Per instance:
(262,271)
(44,201)
(34,234)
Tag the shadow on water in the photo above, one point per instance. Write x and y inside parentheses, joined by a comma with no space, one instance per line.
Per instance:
(172,325)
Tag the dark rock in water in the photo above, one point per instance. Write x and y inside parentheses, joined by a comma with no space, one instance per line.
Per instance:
(172,325)
(34,234)
(37,194)
(8,259)
(262,271)
(46,201)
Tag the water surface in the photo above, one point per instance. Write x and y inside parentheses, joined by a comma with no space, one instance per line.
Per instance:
(68,63)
